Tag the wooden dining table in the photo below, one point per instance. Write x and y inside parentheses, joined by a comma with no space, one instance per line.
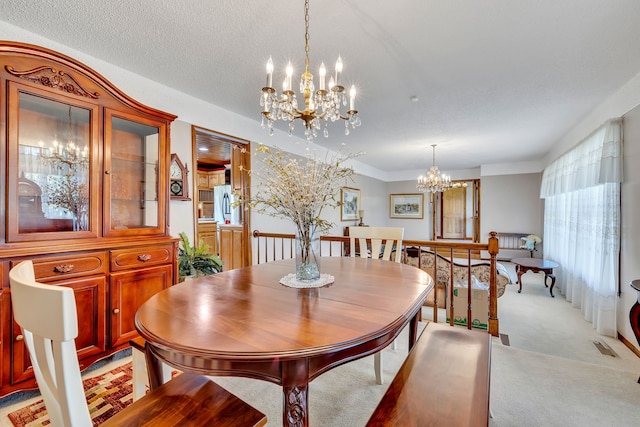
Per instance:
(243,322)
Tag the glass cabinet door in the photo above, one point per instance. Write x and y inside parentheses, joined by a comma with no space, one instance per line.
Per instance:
(134,184)
(50,167)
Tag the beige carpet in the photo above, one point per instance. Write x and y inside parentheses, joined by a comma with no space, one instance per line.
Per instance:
(536,322)
(552,374)
(533,389)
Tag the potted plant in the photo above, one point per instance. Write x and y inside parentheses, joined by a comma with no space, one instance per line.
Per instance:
(195,261)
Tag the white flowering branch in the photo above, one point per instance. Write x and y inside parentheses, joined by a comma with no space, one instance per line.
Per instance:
(299,188)
(69,194)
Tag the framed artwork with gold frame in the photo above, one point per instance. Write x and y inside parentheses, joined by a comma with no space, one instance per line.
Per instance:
(349,204)
(410,206)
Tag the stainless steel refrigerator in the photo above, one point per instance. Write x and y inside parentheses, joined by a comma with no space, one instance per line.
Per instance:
(223,210)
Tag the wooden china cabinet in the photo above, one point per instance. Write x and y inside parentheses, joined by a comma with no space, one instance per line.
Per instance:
(85,197)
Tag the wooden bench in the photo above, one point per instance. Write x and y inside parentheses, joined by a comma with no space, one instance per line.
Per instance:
(187,400)
(443,382)
(509,247)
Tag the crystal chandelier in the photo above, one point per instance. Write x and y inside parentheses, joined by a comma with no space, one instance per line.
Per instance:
(320,106)
(434,181)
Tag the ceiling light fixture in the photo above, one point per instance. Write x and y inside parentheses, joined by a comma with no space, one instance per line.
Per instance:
(435,181)
(322,105)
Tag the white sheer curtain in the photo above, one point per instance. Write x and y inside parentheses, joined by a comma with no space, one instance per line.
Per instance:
(582,223)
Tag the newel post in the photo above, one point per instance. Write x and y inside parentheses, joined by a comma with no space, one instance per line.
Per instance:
(493,287)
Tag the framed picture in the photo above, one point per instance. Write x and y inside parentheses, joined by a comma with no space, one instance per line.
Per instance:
(406,206)
(349,204)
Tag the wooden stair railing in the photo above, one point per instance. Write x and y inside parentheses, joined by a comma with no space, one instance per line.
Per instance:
(277,246)
(273,246)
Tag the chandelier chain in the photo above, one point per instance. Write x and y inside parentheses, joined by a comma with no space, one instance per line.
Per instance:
(434,155)
(306,36)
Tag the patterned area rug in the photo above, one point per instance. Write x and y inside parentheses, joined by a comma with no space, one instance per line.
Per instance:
(106,395)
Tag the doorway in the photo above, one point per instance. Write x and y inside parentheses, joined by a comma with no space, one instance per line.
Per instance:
(456,212)
(220,160)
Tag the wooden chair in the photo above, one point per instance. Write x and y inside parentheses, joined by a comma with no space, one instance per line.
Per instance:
(140,376)
(370,241)
(377,242)
(47,316)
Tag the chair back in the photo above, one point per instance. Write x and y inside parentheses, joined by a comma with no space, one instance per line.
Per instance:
(47,316)
(391,237)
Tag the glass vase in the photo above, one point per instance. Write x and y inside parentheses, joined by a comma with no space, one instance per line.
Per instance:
(307,254)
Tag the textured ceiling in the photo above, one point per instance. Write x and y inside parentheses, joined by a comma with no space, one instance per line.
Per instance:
(497,81)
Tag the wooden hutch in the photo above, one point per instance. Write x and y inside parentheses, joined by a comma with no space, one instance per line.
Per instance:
(85,196)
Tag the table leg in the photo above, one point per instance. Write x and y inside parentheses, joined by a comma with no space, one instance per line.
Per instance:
(634,318)
(520,272)
(413,329)
(295,381)
(154,367)
(553,282)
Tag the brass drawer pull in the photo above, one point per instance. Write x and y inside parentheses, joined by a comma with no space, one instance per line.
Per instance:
(144,257)
(64,268)
(116,310)
(19,338)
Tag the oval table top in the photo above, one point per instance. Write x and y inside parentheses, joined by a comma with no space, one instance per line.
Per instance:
(535,263)
(247,314)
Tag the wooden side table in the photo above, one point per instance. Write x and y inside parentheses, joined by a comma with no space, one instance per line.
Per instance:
(634,314)
(536,265)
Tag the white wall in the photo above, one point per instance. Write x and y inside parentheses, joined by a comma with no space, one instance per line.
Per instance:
(181,215)
(511,204)
(617,105)
(415,229)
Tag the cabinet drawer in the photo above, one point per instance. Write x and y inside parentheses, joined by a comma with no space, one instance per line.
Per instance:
(68,266)
(124,259)
(207,227)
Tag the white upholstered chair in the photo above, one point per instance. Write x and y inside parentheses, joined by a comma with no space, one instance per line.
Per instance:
(377,242)
(47,316)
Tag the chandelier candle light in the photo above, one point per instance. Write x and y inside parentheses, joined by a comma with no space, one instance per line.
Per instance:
(322,105)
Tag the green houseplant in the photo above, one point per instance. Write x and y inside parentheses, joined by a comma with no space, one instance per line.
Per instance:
(195,261)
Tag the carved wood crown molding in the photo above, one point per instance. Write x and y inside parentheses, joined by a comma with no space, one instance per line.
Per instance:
(50,77)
